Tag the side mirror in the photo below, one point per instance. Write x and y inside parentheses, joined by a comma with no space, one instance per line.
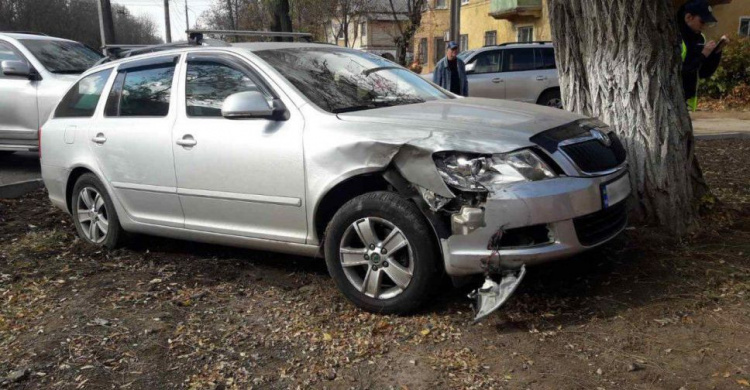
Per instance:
(470,67)
(16,68)
(251,104)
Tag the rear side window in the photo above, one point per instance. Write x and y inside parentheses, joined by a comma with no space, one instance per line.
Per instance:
(144,91)
(518,60)
(488,62)
(545,59)
(81,100)
(209,82)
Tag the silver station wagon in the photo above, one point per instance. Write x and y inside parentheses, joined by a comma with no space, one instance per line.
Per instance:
(317,150)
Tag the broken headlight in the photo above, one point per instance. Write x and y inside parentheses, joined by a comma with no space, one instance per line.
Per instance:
(475,173)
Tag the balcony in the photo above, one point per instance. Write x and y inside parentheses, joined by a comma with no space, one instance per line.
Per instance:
(515,9)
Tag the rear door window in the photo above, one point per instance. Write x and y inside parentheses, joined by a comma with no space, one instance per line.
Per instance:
(82,99)
(143,91)
(518,60)
(488,62)
(545,59)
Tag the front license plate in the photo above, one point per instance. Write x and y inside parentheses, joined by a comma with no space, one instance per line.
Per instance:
(615,191)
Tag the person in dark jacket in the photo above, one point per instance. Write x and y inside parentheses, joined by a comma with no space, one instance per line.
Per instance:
(450,72)
(700,59)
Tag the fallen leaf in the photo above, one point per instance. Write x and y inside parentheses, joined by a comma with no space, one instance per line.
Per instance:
(743,382)
(327,337)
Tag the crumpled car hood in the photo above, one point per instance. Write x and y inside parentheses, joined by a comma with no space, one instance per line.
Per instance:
(470,124)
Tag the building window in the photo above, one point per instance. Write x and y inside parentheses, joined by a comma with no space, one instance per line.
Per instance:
(526,34)
(422,54)
(463,43)
(441,4)
(439,49)
(464,2)
(490,38)
(363,29)
(745,26)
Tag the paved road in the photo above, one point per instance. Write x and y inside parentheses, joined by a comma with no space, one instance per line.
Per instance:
(19,167)
(719,124)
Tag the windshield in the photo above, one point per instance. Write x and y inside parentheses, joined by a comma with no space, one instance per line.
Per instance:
(465,54)
(62,56)
(342,80)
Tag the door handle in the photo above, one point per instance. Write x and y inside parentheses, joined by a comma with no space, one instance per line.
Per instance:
(99,139)
(541,78)
(187,141)
(497,80)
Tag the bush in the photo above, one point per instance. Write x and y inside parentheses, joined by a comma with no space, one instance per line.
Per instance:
(733,74)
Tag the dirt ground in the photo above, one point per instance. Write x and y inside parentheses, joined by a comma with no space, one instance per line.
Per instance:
(644,312)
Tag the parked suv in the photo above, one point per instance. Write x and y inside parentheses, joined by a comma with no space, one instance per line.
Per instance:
(36,71)
(314,150)
(524,72)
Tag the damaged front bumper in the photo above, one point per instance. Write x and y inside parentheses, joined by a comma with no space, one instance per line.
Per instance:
(540,221)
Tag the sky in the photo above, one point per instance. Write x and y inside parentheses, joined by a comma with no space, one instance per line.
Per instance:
(154,9)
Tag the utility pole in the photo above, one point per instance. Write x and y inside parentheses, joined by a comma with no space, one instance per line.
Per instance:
(187,18)
(106,25)
(456,21)
(166,21)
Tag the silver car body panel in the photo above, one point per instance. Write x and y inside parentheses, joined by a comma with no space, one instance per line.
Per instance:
(26,104)
(259,184)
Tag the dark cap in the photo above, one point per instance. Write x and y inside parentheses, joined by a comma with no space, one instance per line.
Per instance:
(451,45)
(702,9)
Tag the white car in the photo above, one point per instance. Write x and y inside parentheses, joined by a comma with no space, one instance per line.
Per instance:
(525,72)
(36,71)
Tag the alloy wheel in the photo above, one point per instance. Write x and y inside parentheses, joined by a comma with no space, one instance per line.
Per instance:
(377,258)
(92,215)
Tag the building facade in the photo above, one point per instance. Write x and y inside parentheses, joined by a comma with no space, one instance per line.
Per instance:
(372,28)
(491,22)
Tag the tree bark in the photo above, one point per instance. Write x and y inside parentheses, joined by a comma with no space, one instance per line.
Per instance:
(282,21)
(619,61)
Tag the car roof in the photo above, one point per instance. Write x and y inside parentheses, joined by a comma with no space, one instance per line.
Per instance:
(235,47)
(27,36)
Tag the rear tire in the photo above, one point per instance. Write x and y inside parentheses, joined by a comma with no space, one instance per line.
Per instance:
(381,253)
(94,213)
(551,98)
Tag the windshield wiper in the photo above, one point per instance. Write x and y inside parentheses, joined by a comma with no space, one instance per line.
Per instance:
(353,108)
(378,69)
(69,71)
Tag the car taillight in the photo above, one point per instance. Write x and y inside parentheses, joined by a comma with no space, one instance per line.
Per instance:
(40,143)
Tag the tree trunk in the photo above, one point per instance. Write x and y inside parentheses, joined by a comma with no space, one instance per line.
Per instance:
(619,61)
(282,21)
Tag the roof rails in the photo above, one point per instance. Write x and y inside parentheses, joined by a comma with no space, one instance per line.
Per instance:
(117,51)
(520,43)
(25,32)
(196,36)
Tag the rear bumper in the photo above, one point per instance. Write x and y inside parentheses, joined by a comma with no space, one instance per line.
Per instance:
(571,210)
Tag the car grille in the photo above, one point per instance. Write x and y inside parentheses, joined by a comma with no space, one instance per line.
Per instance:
(593,156)
(601,225)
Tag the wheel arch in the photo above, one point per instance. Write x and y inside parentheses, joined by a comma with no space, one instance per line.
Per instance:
(75,173)
(343,192)
(539,98)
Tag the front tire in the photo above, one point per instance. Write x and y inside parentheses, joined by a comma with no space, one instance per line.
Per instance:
(551,98)
(381,254)
(94,213)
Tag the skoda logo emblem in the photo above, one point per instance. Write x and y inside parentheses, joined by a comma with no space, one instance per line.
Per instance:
(376,258)
(601,137)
